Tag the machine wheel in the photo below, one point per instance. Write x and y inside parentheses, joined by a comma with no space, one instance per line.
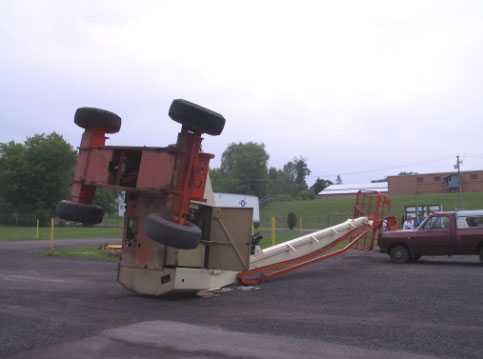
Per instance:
(399,254)
(196,118)
(91,117)
(172,234)
(79,212)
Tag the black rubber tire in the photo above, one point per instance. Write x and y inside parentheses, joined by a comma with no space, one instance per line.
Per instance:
(91,117)
(172,234)
(399,254)
(196,117)
(481,254)
(79,212)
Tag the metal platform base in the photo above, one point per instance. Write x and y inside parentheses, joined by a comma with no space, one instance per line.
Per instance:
(170,280)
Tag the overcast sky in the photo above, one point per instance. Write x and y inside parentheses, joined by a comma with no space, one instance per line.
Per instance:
(361,88)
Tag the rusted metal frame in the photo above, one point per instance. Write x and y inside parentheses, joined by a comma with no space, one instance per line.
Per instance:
(228,236)
(91,138)
(373,205)
(189,145)
(130,189)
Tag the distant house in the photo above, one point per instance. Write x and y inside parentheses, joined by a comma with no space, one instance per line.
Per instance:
(351,189)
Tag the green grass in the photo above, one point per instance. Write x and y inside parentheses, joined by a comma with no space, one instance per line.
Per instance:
(315,214)
(12,233)
(88,253)
(321,213)
(333,209)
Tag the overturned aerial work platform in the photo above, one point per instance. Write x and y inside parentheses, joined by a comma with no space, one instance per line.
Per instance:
(174,238)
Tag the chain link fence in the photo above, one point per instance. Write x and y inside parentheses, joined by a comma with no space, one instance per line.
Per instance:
(30,219)
(276,230)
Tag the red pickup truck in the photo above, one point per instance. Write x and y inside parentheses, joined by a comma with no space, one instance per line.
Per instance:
(442,233)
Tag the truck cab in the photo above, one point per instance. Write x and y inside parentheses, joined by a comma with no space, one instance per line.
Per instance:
(441,233)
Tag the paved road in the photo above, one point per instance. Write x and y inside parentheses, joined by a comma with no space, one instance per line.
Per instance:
(357,306)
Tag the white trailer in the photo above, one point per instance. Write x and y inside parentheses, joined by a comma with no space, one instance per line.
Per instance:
(231,200)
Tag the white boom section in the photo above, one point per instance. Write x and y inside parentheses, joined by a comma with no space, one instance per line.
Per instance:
(305,244)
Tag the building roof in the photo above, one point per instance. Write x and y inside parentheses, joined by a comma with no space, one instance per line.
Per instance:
(436,173)
(335,189)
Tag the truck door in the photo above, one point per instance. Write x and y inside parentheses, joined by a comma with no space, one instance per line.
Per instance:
(434,238)
(469,233)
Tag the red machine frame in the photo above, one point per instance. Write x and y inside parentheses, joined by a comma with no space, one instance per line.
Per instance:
(160,182)
(373,205)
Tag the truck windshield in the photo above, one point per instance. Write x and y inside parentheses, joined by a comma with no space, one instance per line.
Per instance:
(435,223)
(423,223)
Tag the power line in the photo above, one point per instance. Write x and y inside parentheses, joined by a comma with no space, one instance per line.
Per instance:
(384,169)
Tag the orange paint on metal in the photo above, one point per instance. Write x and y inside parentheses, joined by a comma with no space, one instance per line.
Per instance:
(373,205)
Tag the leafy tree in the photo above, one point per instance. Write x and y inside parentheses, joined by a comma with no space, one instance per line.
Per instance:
(319,185)
(106,199)
(302,171)
(243,169)
(297,170)
(13,169)
(305,195)
(35,175)
(278,182)
(221,182)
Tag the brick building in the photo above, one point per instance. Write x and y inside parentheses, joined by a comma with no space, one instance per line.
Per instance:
(444,182)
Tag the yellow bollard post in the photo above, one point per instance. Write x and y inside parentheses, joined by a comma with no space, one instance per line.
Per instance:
(51,237)
(301,226)
(274,230)
(37,233)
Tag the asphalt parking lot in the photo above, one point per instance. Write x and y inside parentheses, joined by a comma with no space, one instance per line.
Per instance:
(356,306)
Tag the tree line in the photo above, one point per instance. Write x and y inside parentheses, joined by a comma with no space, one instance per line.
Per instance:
(35,175)
(244,169)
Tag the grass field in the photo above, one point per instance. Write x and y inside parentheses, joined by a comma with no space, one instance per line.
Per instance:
(86,252)
(13,233)
(322,213)
(335,210)
(315,214)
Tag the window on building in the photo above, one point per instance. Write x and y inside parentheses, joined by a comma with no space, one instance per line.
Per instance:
(437,178)
(474,176)
(420,179)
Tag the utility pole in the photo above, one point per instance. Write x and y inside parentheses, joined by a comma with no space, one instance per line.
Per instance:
(457,166)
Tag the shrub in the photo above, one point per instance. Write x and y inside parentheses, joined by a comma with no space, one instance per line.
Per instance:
(291,220)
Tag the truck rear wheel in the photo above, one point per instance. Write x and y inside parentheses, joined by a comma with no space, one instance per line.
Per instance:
(196,118)
(172,234)
(96,118)
(79,212)
(399,254)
